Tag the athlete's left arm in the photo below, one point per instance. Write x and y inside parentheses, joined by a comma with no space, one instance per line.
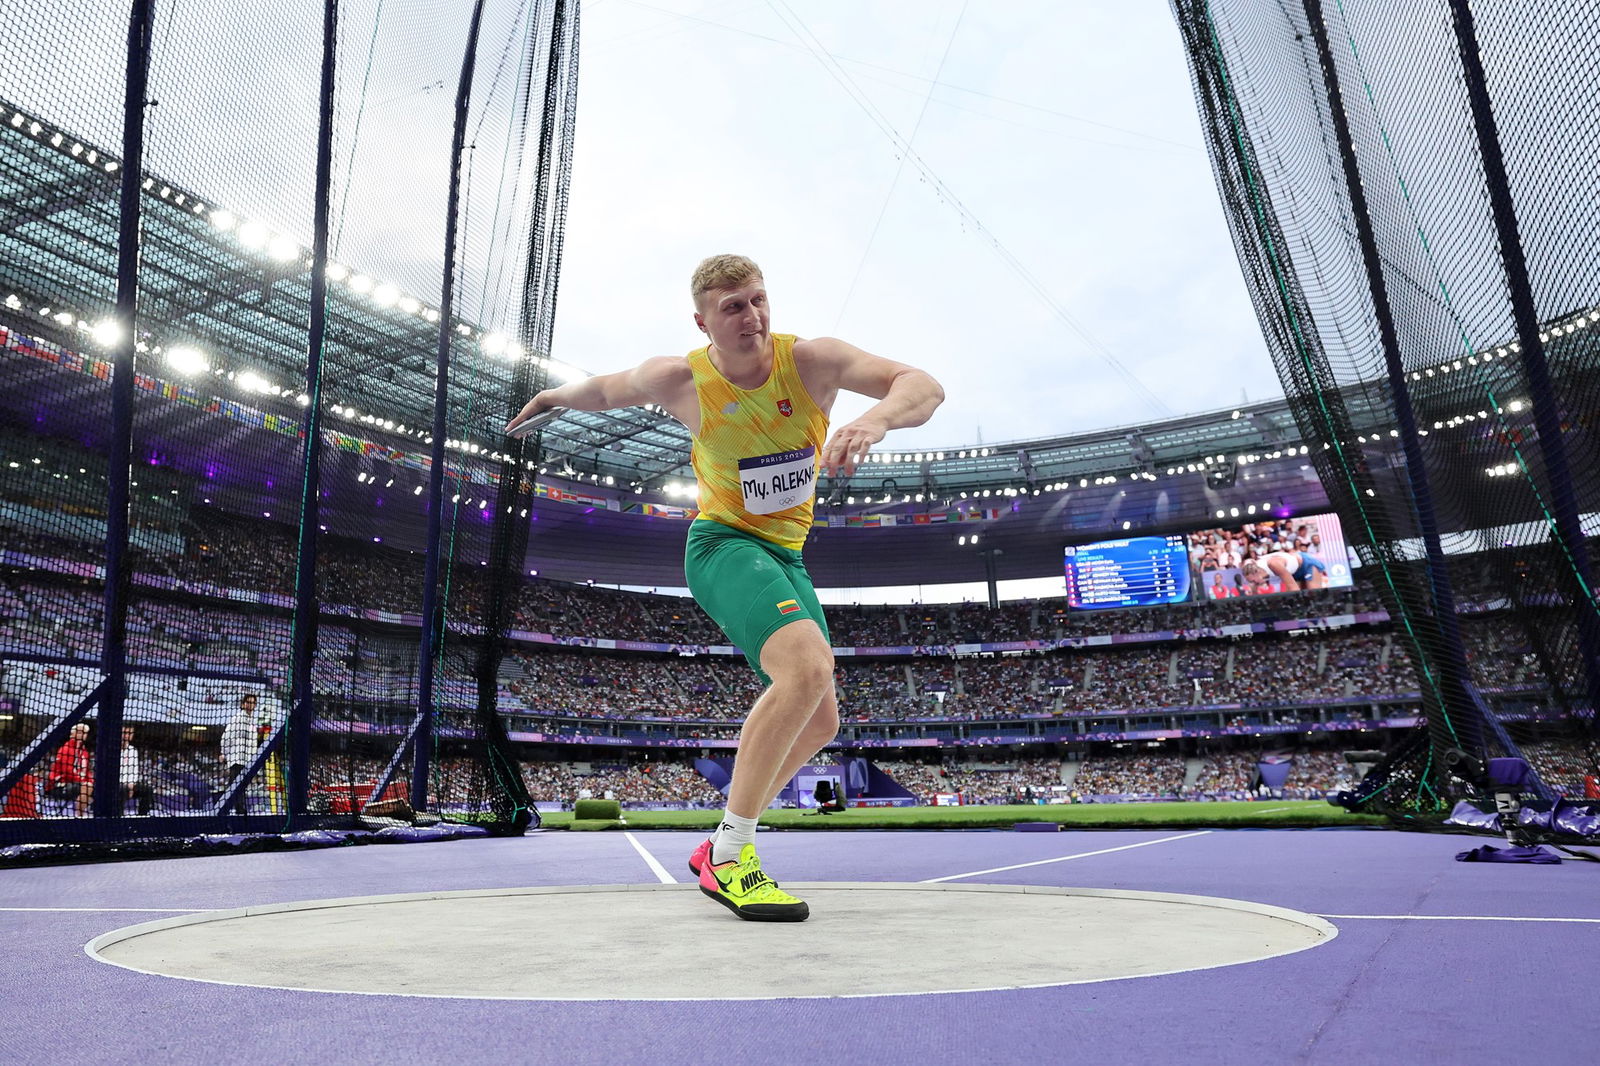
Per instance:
(906,396)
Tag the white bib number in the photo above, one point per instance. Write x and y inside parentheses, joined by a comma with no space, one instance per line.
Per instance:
(773,483)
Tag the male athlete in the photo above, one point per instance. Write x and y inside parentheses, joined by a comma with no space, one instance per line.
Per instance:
(756,406)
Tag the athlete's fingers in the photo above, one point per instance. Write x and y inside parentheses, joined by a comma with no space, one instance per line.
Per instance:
(845,452)
(849,447)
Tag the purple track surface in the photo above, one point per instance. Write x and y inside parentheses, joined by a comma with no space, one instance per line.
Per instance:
(1386,990)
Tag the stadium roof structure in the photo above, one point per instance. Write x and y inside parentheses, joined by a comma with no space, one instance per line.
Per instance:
(218,284)
(233,298)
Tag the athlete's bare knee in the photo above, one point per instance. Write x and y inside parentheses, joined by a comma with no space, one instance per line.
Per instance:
(825,719)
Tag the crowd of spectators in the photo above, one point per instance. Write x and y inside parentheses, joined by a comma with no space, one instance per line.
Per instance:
(1130,775)
(655,781)
(1307,668)
(62,616)
(1569,767)
(226,551)
(1024,779)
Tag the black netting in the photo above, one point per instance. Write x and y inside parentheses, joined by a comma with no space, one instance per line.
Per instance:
(1416,220)
(267,580)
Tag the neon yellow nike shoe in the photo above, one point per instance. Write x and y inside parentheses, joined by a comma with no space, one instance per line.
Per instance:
(745,889)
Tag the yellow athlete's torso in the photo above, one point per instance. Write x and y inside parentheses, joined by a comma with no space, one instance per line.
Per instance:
(755,457)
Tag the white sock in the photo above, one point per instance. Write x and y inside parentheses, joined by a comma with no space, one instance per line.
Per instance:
(731,836)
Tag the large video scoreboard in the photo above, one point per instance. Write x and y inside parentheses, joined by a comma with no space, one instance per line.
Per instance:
(1264,557)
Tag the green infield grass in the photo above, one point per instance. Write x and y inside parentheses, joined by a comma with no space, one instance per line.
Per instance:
(1266,814)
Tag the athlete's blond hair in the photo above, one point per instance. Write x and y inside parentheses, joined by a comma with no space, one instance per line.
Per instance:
(722,272)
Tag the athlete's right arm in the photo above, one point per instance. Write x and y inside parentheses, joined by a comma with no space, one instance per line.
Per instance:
(658,381)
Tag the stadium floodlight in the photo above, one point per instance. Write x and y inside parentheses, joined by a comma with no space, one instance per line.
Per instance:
(385,295)
(14,302)
(337,272)
(252,235)
(224,220)
(250,381)
(107,332)
(409,305)
(64,318)
(494,343)
(361,283)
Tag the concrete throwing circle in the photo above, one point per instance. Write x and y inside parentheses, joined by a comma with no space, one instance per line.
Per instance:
(667,942)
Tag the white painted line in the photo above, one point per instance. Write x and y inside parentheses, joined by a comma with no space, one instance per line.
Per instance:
(1063,858)
(106,910)
(650,860)
(1269,810)
(1453,918)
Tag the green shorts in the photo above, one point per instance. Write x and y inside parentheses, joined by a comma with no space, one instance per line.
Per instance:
(749,586)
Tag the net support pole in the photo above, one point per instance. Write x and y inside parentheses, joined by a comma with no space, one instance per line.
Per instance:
(114,652)
(432,614)
(1458,678)
(536,313)
(302,709)
(1546,412)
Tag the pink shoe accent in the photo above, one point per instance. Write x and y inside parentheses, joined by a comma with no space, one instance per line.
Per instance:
(700,856)
(708,880)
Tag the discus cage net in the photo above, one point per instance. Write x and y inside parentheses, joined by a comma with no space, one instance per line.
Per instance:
(1415,204)
(273,279)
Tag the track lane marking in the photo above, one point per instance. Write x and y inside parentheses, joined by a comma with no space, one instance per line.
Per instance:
(1063,858)
(650,860)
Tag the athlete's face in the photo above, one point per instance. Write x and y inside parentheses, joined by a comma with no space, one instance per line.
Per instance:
(736,320)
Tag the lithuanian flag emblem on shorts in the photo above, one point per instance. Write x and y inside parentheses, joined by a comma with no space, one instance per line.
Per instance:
(788,607)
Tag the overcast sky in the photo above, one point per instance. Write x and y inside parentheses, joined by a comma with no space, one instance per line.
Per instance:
(1059,220)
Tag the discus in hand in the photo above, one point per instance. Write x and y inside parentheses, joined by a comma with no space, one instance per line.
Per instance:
(518,430)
